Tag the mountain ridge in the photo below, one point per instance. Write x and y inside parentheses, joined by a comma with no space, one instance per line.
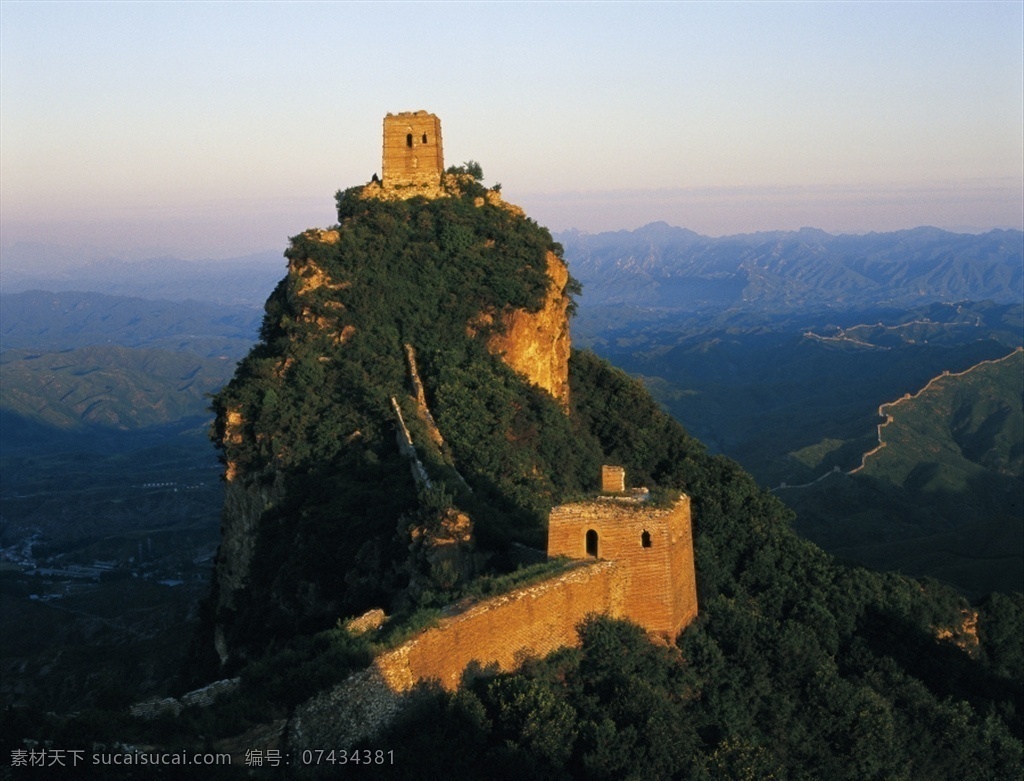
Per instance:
(662,266)
(248,279)
(943,491)
(109,386)
(885,409)
(244,280)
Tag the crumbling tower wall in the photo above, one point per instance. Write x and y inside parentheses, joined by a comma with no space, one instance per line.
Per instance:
(652,545)
(413,154)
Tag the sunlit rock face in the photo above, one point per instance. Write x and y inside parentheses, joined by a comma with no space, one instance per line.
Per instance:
(536,344)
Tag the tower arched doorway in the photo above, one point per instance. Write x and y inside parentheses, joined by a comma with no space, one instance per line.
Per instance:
(591,543)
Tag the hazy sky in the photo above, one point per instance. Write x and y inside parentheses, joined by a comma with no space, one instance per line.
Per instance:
(217,129)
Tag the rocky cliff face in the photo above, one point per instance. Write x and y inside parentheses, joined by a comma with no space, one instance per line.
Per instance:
(244,504)
(537,344)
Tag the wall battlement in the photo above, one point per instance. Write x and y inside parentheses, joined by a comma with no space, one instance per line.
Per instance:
(613,479)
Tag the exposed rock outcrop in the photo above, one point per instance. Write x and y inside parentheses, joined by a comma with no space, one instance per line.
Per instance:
(537,344)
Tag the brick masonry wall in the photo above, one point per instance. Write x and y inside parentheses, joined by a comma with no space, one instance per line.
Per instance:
(654,586)
(497,634)
(613,479)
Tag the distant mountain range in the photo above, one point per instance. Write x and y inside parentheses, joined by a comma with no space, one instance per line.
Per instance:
(38,320)
(243,280)
(100,372)
(109,386)
(777,348)
(657,265)
(660,266)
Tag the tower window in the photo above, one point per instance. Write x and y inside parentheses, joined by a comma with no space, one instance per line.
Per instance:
(424,138)
(408,139)
(645,539)
(592,543)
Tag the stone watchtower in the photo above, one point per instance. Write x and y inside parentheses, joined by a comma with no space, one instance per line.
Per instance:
(412,150)
(652,546)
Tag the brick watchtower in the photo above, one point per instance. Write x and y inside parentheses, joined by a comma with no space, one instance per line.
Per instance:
(412,150)
(652,546)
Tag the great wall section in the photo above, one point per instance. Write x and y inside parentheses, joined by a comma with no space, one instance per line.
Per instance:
(648,579)
(908,397)
(491,636)
(888,419)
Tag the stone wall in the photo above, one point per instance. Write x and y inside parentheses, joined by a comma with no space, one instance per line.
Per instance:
(654,547)
(420,395)
(407,449)
(642,570)
(170,706)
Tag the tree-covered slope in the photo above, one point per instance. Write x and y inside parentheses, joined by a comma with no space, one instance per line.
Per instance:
(798,667)
(320,500)
(967,421)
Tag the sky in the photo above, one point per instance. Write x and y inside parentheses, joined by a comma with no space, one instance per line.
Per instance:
(211,130)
